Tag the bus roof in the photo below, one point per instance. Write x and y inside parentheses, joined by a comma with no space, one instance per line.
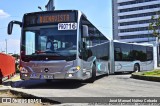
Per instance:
(51,12)
(142,44)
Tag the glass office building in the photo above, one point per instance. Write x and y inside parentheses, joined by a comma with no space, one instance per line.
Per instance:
(131,19)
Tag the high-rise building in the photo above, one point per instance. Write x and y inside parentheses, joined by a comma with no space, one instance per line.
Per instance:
(131,19)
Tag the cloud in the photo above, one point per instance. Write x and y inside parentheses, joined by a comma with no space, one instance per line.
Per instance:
(3,14)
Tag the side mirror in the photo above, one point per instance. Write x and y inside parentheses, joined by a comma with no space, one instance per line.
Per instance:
(85,31)
(10,26)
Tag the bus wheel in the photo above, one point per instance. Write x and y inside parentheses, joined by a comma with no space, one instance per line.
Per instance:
(93,78)
(136,68)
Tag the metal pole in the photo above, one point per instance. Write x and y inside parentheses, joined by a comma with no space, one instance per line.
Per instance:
(158,41)
(6,45)
(157,44)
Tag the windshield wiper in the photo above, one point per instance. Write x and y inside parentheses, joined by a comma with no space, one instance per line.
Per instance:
(47,52)
(55,53)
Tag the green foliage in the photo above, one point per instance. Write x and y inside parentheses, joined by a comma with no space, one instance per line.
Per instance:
(152,73)
(155,25)
(16,56)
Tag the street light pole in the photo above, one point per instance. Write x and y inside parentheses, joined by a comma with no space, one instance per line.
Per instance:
(6,45)
(40,8)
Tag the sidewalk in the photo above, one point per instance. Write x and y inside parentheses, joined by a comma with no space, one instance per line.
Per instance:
(15,78)
(6,85)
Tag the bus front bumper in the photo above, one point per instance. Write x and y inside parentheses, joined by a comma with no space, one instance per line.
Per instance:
(74,76)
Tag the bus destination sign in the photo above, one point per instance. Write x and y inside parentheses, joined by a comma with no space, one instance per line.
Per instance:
(54,18)
(48,18)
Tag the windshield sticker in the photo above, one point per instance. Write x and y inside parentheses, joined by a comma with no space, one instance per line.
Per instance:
(67,26)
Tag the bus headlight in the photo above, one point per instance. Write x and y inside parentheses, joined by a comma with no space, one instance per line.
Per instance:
(78,68)
(23,70)
(74,69)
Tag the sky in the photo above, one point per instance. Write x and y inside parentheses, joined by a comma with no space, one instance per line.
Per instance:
(99,12)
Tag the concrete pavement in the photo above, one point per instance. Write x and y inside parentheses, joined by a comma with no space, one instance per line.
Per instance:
(106,86)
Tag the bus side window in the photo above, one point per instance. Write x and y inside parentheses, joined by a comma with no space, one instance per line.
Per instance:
(118,54)
(149,53)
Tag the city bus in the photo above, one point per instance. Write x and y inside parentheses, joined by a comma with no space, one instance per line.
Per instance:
(64,44)
(131,57)
(61,44)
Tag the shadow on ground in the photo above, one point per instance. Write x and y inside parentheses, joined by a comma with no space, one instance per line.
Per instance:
(42,84)
(54,84)
(122,73)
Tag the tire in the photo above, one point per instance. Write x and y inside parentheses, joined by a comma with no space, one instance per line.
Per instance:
(136,68)
(93,78)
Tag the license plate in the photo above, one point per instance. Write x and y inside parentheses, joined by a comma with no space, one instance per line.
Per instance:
(33,76)
(47,77)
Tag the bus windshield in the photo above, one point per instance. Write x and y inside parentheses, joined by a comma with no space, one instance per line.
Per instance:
(48,41)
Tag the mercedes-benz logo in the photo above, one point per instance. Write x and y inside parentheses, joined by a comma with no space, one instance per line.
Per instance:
(46,70)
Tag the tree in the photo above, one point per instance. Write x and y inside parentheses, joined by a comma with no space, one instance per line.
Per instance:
(16,56)
(155,25)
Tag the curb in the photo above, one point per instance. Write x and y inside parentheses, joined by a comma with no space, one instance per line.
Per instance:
(30,96)
(4,90)
(23,94)
(148,78)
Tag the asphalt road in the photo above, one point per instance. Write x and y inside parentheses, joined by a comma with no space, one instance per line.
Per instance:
(105,86)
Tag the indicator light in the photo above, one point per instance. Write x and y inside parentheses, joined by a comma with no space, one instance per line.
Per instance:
(78,67)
